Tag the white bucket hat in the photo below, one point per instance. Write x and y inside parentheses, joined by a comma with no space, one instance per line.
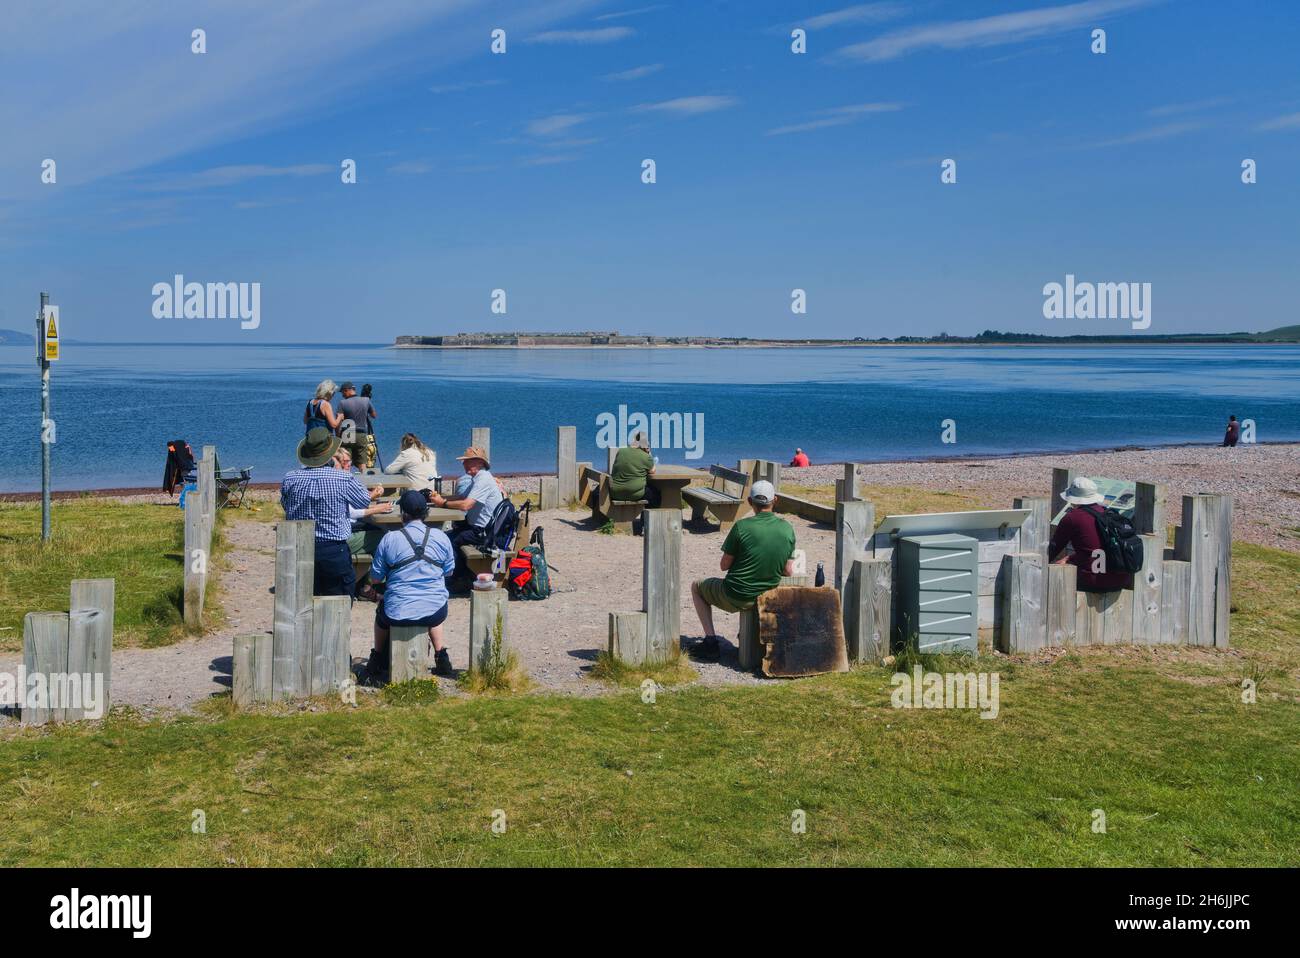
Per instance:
(1082,492)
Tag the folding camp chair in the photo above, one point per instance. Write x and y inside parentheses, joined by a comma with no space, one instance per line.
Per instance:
(231,485)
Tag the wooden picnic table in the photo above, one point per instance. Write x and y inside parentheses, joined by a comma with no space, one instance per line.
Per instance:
(670,480)
(436,516)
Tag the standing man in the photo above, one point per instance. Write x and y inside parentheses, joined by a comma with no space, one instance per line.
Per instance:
(322,492)
(357,411)
(477,495)
(758,550)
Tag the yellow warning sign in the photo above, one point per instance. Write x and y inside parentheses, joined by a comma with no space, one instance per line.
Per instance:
(50,320)
(52,331)
(51,349)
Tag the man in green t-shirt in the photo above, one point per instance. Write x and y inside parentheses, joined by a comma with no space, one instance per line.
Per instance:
(633,466)
(757,552)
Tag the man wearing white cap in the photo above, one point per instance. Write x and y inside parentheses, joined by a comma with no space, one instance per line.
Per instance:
(1078,530)
(757,552)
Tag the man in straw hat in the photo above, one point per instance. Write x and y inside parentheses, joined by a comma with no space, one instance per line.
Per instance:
(322,492)
(477,495)
(1078,530)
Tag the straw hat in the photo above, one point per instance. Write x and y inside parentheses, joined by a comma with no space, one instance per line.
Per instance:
(474,452)
(317,447)
(1082,492)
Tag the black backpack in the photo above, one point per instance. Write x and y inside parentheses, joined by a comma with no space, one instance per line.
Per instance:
(1119,540)
(500,531)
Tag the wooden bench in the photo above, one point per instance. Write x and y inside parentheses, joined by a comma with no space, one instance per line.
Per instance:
(594,492)
(479,563)
(719,498)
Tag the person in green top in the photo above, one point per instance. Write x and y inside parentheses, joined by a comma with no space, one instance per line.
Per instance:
(633,466)
(758,551)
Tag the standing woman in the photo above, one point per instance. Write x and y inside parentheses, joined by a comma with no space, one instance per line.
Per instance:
(319,412)
(417,462)
(372,449)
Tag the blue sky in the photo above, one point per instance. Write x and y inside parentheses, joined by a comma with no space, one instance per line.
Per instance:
(522,171)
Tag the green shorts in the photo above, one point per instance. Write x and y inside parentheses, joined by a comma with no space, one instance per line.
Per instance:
(716,595)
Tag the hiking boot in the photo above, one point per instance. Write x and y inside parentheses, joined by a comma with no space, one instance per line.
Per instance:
(707,649)
(375,672)
(442,664)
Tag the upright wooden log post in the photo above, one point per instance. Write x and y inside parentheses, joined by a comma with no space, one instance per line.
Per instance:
(252,663)
(208,492)
(82,627)
(331,634)
(661,582)
(1024,615)
(1036,537)
(855,522)
(868,593)
(196,562)
(849,489)
(548,495)
(1206,543)
(481,436)
(295,568)
(45,652)
(566,463)
(1149,511)
(1175,602)
(98,594)
(484,608)
(1061,479)
(1062,602)
(408,653)
(1147,591)
(627,637)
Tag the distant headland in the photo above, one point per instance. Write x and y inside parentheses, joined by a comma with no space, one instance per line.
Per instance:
(527,340)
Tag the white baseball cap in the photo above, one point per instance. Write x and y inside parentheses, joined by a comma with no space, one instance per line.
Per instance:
(762,492)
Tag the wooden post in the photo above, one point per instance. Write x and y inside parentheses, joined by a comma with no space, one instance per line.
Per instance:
(661,582)
(481,436)
(1061,479)
(1175,602)
(1036,537)
(82,629)
(295,567)
(484,607)
(331,646)
(250,678)
(771,472)
(627,641)
(1024,617)
(548,495)
(208,492)
(45,652)
(98,594)
(1062,583)
(408,653)
(850,490)
(869,591)
(1206,543)
(566,462)
(1149,511)
(1146,591)
(196,562)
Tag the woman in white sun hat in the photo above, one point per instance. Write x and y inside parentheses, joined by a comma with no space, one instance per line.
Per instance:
(1078,531)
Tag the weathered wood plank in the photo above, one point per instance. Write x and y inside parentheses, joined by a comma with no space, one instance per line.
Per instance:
(548,495)
(295,565)
(263,667)
(1117,618)
(408,653)
(1024,617)
(243,671)
(869,594)
(1146,591)
(484,608)
(1061,479)
(45,653)
(1205,542)
(855,523)
(1062,605)
(661,582)
(848,489)
(627,637)
(1175,602)
(98,594)
(81,633)
(196,562)
(330,643)
(207,474)
(566,462)
(1149,511)
(481,436)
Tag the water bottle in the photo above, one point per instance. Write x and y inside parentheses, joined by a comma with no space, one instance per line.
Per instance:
(821,575)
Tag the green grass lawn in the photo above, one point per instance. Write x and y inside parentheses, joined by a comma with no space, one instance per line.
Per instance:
(139,545)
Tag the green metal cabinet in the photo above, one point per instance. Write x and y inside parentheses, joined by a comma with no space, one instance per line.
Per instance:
(938,592)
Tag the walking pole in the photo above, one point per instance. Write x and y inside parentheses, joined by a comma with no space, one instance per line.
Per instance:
(46,426)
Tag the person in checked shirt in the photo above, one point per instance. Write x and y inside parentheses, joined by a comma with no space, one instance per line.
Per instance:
(323,493)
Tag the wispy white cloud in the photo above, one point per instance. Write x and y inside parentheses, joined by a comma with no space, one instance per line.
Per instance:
(1195,106)
(466,85)
(630,13)
(862,13)
(584,37)
(1290,121)
(411,168)
(555,125)
(1162,132)
(549,159)
(219,176)
(636,73)
(689,105)
(836,116)
(991,31)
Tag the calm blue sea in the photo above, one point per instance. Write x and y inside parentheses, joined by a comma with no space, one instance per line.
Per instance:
(116,406)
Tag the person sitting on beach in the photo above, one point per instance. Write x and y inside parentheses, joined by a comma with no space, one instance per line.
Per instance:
(633,466)
(1233,432)
(413,563)
(800,459)
(323,492)
(1078,531)
(758,551)
(356,413)
(477,495)
(319,412)
(416,462)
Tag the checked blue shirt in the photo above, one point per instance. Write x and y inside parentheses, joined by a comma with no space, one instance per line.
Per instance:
(323,494)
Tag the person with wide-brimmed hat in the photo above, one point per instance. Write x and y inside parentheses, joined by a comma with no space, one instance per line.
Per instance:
(1078,531)
(477,495)
(322,492)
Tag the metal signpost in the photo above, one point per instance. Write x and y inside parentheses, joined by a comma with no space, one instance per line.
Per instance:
(47,351)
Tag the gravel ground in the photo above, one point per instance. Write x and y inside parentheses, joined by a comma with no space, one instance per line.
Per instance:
(557,640)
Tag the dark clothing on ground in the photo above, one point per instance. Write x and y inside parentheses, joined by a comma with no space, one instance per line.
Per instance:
(1078,529)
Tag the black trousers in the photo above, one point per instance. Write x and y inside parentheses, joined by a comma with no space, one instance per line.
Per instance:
(463,534)
(334,575)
